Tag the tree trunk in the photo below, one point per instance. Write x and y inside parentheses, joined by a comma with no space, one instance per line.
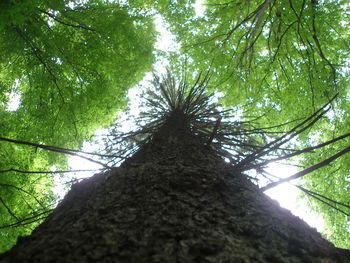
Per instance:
(175,200)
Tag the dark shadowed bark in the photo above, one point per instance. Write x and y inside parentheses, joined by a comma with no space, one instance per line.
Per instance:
(175,200)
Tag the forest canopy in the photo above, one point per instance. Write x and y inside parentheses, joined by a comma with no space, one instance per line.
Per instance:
(70,64)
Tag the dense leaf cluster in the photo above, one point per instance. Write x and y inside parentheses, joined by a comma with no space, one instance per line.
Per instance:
(69,64)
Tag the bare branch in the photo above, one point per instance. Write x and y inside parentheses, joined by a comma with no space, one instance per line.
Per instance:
(317,42)
(57,149)
(305,150)
(308,170)
(287,136)
(24,191)
(54,17)
(322,196)
(47,172)
(8,209)
(28,220)
(215,130)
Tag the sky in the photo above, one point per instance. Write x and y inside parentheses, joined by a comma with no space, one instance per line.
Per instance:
(287,196)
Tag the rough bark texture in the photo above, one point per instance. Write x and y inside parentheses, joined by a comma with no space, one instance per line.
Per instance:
(173,201)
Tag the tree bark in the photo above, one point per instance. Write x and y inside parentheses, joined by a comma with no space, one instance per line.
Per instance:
(175,200)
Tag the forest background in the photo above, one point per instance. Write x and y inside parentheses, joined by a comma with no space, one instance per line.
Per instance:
(70,64)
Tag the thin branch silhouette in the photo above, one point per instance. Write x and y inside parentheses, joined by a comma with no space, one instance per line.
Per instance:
(59,150)
(305,150)
(47,172)
(308,170)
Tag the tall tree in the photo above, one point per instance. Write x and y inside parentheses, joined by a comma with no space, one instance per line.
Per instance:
(273,55)
(176,199)
(69,63)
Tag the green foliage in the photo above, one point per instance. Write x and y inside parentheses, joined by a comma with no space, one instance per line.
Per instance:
(71,63)
(66,57)
(332,181)
(283,59)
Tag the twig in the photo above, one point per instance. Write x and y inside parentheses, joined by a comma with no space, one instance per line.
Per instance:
(215,130)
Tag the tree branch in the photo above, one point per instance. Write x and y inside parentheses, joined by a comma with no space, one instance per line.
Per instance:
(24,191)
(80,26)
(8,209)
(308,170)
(27,220)
(322,196)
(46,172)
(305,150)
(59,150)
(292,133)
